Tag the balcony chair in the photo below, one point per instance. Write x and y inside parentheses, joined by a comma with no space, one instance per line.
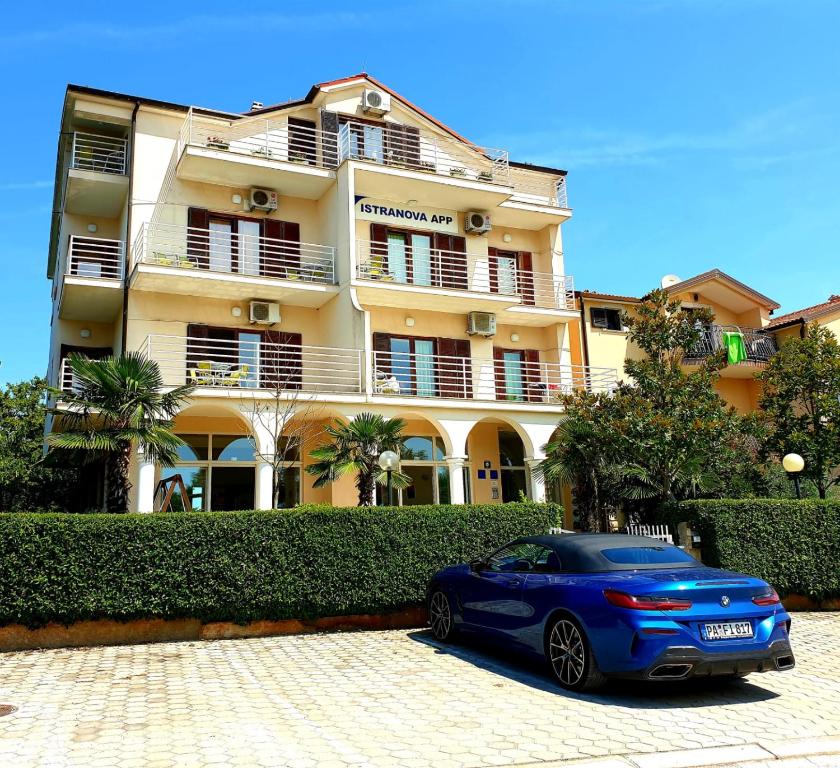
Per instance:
(202,374)
(236,378)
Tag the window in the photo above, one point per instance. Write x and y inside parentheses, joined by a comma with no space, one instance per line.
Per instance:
(513,476)
(608,319)
(524,557)
(665,555)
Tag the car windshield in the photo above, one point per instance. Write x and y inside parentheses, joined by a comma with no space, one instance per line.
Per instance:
(647,556)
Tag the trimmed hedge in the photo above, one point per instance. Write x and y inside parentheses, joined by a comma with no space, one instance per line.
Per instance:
(305,563)
(793,545)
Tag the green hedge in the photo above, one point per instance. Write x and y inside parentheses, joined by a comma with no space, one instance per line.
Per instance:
(307,562)
(793,545)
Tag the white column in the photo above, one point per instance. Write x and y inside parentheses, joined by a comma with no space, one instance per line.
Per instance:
(145,484)
(455,464)
(265,475)
(537,481)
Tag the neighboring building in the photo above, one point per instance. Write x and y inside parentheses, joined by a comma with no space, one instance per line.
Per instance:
(346,251)
(826,314)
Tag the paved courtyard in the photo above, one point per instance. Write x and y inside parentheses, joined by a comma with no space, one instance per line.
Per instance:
(380,699)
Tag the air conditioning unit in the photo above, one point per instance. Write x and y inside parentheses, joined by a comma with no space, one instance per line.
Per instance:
(478,223)
(375,102)
(262,200)
(265,312)
(481,324)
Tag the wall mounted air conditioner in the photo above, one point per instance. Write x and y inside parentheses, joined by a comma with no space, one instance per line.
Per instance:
(375,102)
(262,200)
(477,223)
(264,312)
(481,324)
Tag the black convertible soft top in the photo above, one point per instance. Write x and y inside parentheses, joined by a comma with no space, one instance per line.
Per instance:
(584,552)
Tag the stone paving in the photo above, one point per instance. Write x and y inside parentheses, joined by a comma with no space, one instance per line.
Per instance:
(390,698)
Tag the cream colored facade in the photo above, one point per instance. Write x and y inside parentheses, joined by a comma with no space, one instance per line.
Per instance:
(367,257)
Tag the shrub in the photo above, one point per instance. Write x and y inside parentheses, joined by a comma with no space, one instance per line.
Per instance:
(793,545)
(306,562)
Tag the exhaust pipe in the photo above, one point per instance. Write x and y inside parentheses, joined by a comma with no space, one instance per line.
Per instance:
(670,671)
(784,662)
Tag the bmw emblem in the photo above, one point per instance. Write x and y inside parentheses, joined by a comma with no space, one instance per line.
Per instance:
(724,601)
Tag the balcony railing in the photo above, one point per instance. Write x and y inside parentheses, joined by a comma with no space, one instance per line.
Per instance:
(251,362)
(453,270)
(106,154)
(192,248)
(95,257)
(404,374)
(67,378)
(758,346)
(267,139)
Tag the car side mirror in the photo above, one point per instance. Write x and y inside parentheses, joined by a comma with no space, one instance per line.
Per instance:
(478,565)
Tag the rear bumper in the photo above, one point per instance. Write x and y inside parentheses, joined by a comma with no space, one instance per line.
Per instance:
(682,662)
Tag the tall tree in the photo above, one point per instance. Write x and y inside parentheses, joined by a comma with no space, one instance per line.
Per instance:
(800,401)
(355,447)
(26,483)
(118,402)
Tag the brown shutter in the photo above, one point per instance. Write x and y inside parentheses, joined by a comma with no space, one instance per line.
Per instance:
(499,370)
(526,277)
(329,138)
(454,369)
(198,241)
(412,145)
(378,247)
(291,247)
(281,362)
(493,268)
(197,349)
(450,260)
(535,387)
(394,141)
(302,145)
(280,254)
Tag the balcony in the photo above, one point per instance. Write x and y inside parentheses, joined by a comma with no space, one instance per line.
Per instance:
(97,184)
(758,348)
(172,258)
(92,280)
(403,374)
(444,280)
(256,364)
(252,364)
(253,152)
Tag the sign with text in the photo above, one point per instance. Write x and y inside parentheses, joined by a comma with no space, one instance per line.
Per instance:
(401,215)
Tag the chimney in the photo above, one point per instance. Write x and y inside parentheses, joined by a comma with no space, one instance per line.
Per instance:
(256,105)
(834,297)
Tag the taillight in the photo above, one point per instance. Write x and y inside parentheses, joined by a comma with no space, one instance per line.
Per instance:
(645,602)
(766,598)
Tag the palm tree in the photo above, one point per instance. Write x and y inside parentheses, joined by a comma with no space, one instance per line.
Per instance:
(355,447)
(117,402)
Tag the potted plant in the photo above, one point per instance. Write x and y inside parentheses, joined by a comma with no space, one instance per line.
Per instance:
(298,157)
(262,152)
(485,176)
(461,172)
(217,142)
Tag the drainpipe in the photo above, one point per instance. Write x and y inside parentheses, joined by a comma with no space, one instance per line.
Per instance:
(802,326)
(583,337)
(127,249)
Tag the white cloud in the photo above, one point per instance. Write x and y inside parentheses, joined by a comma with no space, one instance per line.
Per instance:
(16,185)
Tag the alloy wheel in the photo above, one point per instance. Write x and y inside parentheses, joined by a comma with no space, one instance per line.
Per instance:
(567,653)
(440,616)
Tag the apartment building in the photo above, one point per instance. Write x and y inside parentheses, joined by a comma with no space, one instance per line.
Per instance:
(345,252)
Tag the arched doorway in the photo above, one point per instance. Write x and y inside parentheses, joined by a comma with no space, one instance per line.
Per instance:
(499,471)
(218,462)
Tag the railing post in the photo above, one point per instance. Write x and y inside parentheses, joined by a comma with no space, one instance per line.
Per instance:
(73,152)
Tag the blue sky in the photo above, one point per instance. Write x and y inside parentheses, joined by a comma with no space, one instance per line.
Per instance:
(697,133)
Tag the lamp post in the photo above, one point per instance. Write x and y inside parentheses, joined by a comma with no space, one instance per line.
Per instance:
(388,462)
(794,464)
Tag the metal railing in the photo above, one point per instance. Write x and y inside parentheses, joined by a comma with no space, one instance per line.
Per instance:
(268,139)
(414,374)
(67,381)
(389,144)
(454,270)
(758,346)
(193,248)
(106,154)
(95,257)
(251,362)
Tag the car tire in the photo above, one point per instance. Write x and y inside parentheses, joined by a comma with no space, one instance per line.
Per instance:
(569,655)
(440,616)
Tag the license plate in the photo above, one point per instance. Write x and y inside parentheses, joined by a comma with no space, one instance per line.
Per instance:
(727,630)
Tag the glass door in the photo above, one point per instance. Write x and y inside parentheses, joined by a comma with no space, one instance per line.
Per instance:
(421,259)
(221,245)
(397,262)
(249,359)
(424,365)
(507,274)
(249,247)
(373,143)
(514,380)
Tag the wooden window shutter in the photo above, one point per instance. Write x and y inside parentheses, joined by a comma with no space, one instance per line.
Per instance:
(381,354)
(198,349)
(329,138)
(280,253)
(291,246)
(450,261)
(454,369)
(526,277)
(198,236)
(499,371)
(411,136)
(493,268)
(378,249)
(281,362)
(535,387)
(302,144)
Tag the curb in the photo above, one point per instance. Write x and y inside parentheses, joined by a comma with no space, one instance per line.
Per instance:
(709,757)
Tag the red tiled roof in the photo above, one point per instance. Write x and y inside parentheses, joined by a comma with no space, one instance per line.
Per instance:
(608,297)
(808,313)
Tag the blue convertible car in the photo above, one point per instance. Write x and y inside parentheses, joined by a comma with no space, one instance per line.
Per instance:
(597,606)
